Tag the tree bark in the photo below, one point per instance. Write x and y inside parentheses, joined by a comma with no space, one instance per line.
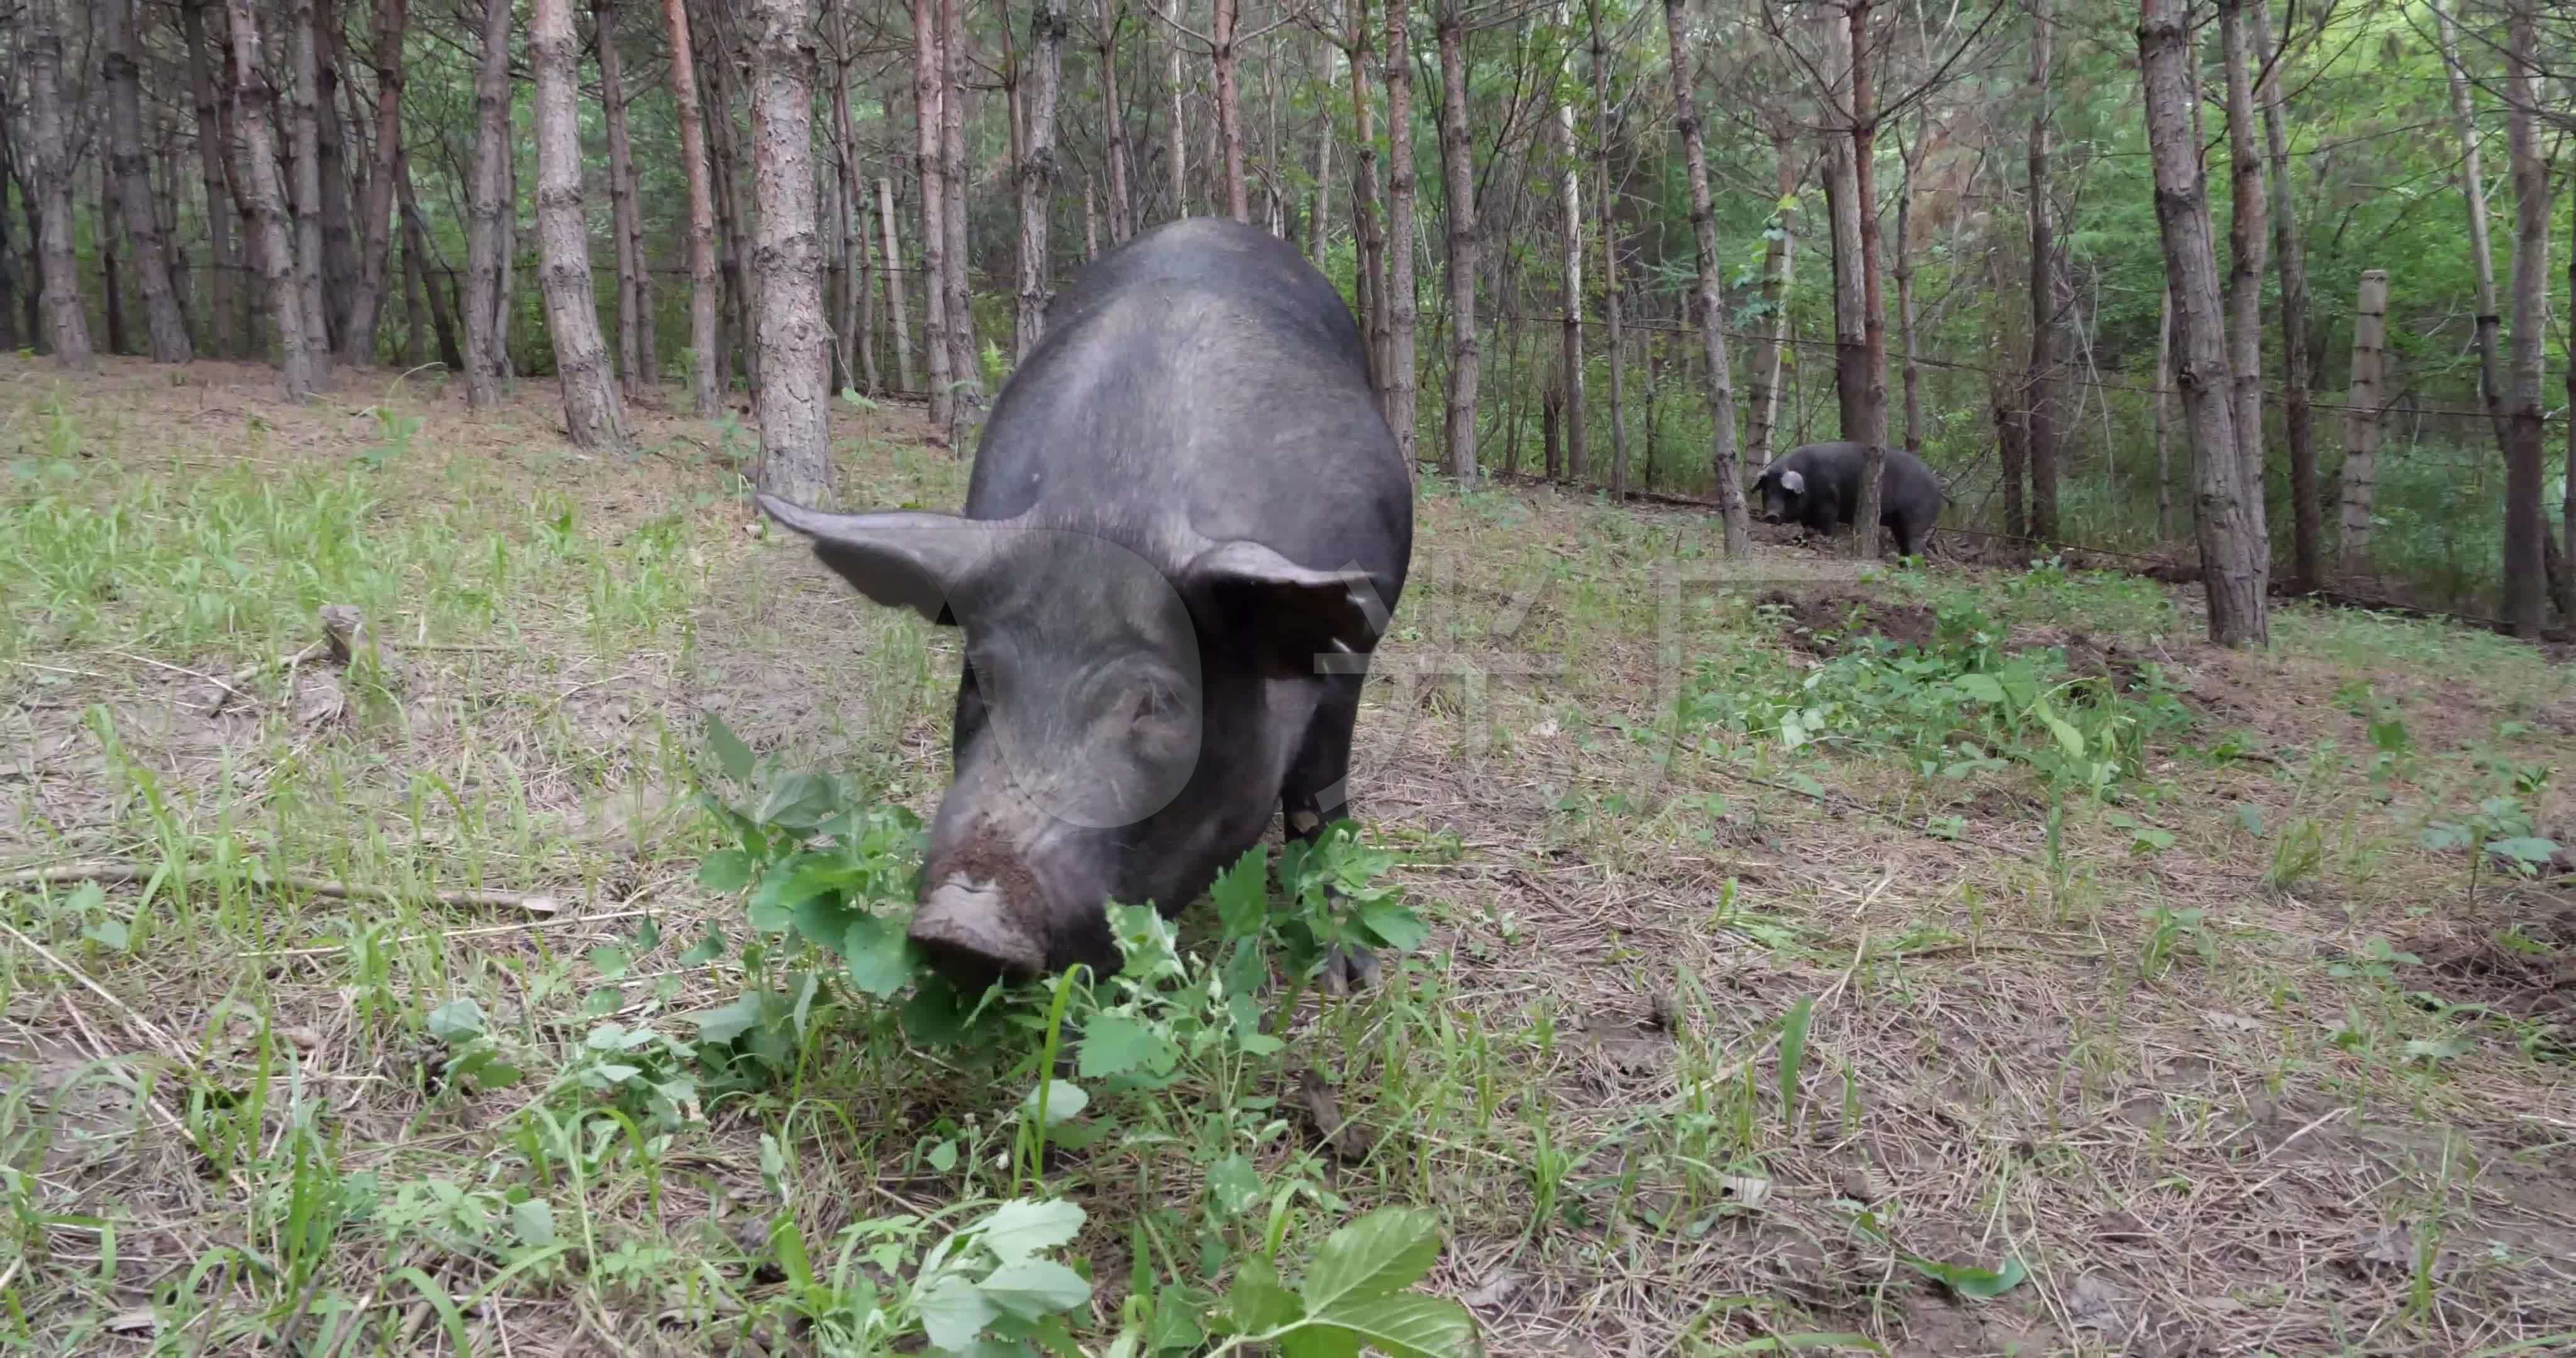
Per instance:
(340,267)
(1602,129)
(704,395)
(733,229)
(2039,389)
(376,215)
(416,291)
(928,84)
(1578,453)
(111,289)
(795,360)
(2473,188)
(2307,528)
(895,276)
(1864,134)
(168,324)
(2235,560)
(308,188)
(1402,378)
(2362,418)
(856,321)
(2164,386)
(255,105)
(1904,271)
(965,363)
(1229,110)
(1319,203)
(1367,238)
(1038,169)
(227,300)
(1459,171)
(1122,198)
(2525,532)
(51,180)
(1180,140)
(635,357)
(591,411)
(416,246)
(1779,263)
(487,226)
(1709,300)
(2248,237)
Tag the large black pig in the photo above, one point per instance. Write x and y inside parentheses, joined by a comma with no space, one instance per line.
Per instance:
(1185,528)
(1818,485)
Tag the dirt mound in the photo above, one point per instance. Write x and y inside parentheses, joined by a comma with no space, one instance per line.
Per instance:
(2528,971)
(1827,624)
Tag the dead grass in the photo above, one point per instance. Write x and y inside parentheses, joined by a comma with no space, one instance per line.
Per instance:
(2175,1085)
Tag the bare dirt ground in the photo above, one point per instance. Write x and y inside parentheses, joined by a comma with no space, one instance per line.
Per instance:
(2237,1054)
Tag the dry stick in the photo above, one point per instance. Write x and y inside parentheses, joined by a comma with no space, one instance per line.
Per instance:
(134,874)
(253,670)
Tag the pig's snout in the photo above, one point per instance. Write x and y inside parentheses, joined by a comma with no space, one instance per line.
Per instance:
(974,933)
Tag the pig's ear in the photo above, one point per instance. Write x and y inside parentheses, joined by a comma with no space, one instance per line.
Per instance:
(1793,483)
(902,558)
(1302,612)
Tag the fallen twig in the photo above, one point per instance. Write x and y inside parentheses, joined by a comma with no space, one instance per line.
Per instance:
(135,874)
(258,667)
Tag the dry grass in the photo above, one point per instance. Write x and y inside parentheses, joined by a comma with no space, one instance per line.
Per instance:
(2174,1085)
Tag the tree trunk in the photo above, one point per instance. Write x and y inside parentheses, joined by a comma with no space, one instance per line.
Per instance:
(169,325)
(591,412)
(51,180)
(1319,202)
(1459,172)
(1578,453)
(255,105)
(2362,417)
(965,363)
(416,291)
(1038,169)
(856,322)
(2306,525)
(416,245)
(732,222)
(1709,300)
(1402,377)
(1851,352)
(2039,389)
(1864,133)
(1229,111)
(225,263)
(2235,559)
(103,224)
(487,222)
(2164,386)
(1779,262)
(2524,528)
(1180,139)
(795,361)
(1122,199)
(2473,188)
(900,323)
(635,357)
(928,85)
(376,216)
(1904,271)
(340,268)
(1602,128)
(2248,237)
(308,188)
(704,396)
(1367,238)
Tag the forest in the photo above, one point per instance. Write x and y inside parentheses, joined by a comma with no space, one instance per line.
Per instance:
(456,851)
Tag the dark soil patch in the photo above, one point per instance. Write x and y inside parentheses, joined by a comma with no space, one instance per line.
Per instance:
(2528,970)
(1828,623)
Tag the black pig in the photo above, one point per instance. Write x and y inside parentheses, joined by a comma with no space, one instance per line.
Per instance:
(1185,528)
(1819,485)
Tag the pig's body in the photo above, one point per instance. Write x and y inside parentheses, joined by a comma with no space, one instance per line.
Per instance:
(1818,485)
(1185,496)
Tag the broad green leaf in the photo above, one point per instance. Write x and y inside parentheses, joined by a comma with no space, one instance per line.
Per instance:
(534,1222)
(1395,926)
(1970,1280)
(726,870)
(1979,687)
(936,1015)
(2067,735)
(1114,1044)
(1319,1341)
(1378,1255)
(1242,894)
(1256,1302)
(1793,1055)
(1234,1183)
(707,950)
(879,955)
(1034,1287)
(109,933)
(732,1021)
(456,1021)
(1023,1226)
(953,1312)
(1410,1325)
(1064,1101)
(2524,849)
(731,753)
(799,801)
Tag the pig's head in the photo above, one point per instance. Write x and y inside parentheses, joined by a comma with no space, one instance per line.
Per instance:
(1782,491)
(1125,718)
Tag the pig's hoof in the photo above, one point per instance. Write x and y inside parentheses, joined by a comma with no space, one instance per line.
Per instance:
(1348,969)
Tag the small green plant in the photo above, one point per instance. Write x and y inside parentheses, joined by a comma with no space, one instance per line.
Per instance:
(2378,961)
(2499,832)
(394,433)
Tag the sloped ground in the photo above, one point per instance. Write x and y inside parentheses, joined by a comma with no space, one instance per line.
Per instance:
(2224,1061)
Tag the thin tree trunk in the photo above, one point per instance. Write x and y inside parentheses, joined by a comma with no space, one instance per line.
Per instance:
(1402,378)
(1090,220)
(965,363)
(1180,127)
(2164,387)
(1122,198)
(51,180)
(634,287)
(1851,355)
(1366,237)
(704,396)
(2525,532)
(1709,300)
(1459,171)
(795,362)
(1229,110)
(1904,270)
(376,216)
(2473,188)
(2039,388)
(308,189)
(1601,131)
(2248,237)
(1578,453)
(591,411)
(1038,169)
(255,103)
(858,313)
(487,229)
(2306,525)
(340,266)
(1779,262)
(1864,133)
(111,287)
(169,325)
(895,276)
(416,291)
(416,246)
(225,263)
(2234,557)
(928,86)
(1319,202)
(2362,419)
(732,222)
